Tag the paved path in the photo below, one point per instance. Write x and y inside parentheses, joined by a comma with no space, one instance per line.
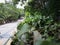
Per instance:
(7,31)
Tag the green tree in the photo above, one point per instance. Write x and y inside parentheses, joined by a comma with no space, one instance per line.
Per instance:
(11,13)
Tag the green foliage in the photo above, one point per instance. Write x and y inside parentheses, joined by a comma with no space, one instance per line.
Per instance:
(23,31)
(40,15)
(15,1)
(9,13)
(25,28)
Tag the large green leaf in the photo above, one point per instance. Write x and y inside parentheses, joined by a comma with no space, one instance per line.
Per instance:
(25,28)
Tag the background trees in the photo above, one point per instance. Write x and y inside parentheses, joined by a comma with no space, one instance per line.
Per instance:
(9,12)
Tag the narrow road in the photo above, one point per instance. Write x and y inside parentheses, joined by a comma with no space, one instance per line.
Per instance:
(7,31)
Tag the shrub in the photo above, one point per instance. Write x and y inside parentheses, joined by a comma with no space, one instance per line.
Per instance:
(11,13)
(40,16)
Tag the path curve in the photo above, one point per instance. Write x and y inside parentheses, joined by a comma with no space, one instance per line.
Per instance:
(7,31)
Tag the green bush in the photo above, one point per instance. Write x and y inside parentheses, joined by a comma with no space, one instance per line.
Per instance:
(9,13)
(40,15)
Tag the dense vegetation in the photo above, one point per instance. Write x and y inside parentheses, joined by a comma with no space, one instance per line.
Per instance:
(9,13)
(42,16)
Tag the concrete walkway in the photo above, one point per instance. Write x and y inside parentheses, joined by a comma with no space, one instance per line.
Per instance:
(7,31)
